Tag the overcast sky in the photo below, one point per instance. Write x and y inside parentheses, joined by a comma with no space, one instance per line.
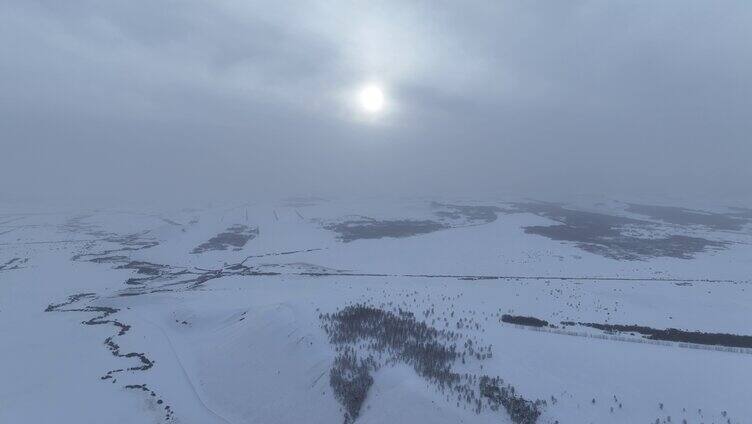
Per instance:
(228,98)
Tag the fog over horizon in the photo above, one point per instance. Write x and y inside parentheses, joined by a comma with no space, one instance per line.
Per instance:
(222,100)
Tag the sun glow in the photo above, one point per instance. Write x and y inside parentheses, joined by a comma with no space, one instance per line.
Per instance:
(371,98)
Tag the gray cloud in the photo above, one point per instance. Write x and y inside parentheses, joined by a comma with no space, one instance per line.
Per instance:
(226,98)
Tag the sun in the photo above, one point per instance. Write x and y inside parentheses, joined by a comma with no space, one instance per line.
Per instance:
(371,98)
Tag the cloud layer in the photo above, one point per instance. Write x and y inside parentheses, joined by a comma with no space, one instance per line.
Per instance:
(190,99)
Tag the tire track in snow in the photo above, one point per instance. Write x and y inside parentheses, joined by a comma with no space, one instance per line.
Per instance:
(187,376)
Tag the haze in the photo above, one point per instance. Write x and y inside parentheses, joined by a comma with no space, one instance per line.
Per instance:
(229,99)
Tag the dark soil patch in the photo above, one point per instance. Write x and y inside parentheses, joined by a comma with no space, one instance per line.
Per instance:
(608,235)
(369,228)
(236,236)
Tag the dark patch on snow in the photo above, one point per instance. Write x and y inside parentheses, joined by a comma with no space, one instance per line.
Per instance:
(369,228)
(109,259)
(142,267)
(608,235)
(236,236)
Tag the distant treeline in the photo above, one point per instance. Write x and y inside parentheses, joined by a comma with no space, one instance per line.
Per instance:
(523,320)
(672,334)
(668,335)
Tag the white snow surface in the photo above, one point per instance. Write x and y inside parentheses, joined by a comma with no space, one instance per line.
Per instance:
(251,348)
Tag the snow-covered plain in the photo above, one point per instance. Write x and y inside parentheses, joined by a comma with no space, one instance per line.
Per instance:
(230,314)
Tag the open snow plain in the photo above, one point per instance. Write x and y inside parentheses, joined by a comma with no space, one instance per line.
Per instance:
(407,311)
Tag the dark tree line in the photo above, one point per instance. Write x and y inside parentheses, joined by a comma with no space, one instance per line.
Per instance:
(398,337)
(673,334)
